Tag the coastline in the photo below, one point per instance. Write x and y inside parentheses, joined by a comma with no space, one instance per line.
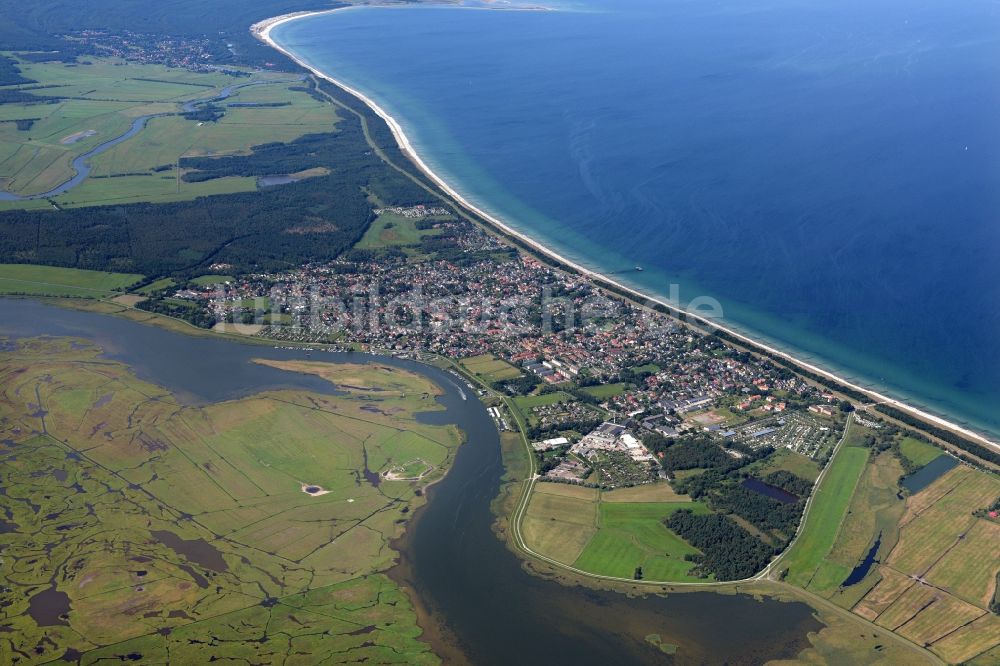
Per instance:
(262,30)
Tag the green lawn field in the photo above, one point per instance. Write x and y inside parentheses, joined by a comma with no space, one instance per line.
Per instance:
(827,511)
(917,452)
(574,525)
(211,280)
(391,230)
(605,391)
(632,535)
(489,368)
(52,281)
(873,513)
(529,401)
(790,461)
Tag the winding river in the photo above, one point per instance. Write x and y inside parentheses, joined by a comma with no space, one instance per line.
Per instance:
(81,163)
(478,602)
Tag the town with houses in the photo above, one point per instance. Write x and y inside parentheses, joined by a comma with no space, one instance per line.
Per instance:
(593,376)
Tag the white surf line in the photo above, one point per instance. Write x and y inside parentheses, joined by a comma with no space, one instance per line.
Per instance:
(262,31)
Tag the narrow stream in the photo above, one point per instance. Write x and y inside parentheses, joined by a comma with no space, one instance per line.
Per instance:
(81,164)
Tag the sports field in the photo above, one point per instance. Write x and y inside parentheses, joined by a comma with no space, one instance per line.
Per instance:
(98,101)
(176,532)
(53,281)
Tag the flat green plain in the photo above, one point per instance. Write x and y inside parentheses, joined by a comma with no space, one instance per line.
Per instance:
(633,535)
(52,281)
(605,391)
(826,514)
(102,99)
(541,400)
(918,452)
(183,533)
(392,230)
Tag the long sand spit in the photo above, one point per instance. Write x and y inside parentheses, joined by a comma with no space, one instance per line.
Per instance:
(262,31)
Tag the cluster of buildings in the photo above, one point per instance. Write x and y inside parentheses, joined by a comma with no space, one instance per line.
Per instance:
(610,437)
(413,212)
(557,328)
(193,53)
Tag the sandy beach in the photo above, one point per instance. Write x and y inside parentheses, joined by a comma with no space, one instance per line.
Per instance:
(262,31)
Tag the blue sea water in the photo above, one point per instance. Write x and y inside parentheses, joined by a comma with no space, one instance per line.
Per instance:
(829,170)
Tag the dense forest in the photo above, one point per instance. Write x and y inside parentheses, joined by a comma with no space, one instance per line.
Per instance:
(728,551)
(766,514)
(40,25)
(10,74)
(789,482)
(282,227)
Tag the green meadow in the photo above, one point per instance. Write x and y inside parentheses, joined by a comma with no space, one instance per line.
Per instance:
(98,100)
(605,391)
(540,400)
(489,368)
(52,281)
(599,533)
(826,514)
(391,230)
(182,533)
(917,452)
(632,536)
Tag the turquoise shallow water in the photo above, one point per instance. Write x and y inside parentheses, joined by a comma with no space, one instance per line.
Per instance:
(829,171)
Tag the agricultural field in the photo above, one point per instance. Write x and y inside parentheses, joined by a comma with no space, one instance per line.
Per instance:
(660,491)
(939,579)
(923,566)
(51,281)
(872,516)
(182,533)
(489,368)
(611,533)
(632,541)
(98,100)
